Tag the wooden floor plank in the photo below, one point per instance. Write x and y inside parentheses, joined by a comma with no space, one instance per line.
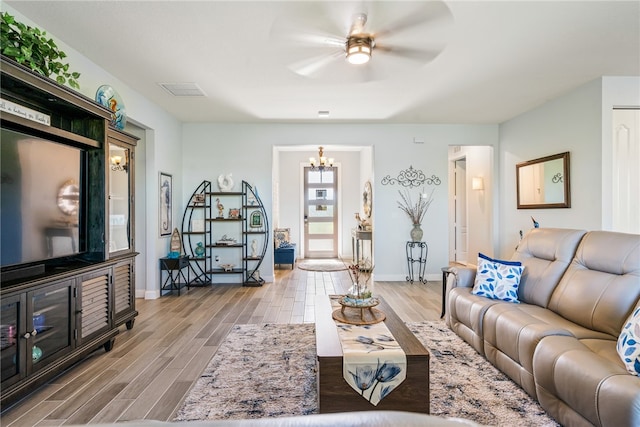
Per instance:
(154,364)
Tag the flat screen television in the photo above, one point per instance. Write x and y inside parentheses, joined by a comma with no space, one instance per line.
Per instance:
(42,213)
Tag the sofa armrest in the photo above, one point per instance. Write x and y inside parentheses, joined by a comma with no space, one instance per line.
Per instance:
(463,277)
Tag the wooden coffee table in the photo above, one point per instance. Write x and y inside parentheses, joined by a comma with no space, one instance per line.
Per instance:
(335,395)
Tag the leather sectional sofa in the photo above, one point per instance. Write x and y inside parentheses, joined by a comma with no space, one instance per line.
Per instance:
(559,342)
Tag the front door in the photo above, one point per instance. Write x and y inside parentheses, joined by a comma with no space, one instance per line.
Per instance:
(320,213)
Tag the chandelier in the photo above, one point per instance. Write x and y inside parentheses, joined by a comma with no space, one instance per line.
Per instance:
(323,164)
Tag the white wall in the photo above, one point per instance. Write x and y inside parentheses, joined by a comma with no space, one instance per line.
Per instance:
(246,150)
(163,153)
(579,122)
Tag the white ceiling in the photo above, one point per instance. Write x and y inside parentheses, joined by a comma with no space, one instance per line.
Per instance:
(499,58)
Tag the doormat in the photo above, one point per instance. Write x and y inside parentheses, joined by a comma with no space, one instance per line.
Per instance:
(321,265)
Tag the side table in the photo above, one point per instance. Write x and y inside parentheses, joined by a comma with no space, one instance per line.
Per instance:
(446,271)
(421,251)
(175,276)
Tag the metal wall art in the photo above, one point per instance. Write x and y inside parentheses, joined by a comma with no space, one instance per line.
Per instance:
(411,178)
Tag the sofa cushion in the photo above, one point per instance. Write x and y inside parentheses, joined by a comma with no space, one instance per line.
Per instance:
(628,344)
(497,279)
(545,254)
(602,285)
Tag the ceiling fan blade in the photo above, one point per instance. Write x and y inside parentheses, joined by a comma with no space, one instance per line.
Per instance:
(293,35)
(423,55)
(313,65)
(428,13)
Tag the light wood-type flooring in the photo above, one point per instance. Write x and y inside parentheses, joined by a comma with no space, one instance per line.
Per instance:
(153,366)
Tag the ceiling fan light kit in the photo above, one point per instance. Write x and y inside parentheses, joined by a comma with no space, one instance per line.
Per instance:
(359,49)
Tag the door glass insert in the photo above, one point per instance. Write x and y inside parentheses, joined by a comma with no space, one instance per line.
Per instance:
(320,231)
(119,207)
(51,318)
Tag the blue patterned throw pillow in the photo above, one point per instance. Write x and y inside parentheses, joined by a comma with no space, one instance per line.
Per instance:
(629,343)
(497,279)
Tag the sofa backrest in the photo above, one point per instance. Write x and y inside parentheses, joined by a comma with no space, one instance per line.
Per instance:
(602,284)
(545,254)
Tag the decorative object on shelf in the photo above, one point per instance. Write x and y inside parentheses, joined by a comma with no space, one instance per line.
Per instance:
(251,200)
(36,353)
(254,248)
(199,250)
(415,211)
(225,182)
(411,178)
(220,208)
(176,244)
(37,51)
(234,213)
(227,267)
(224,240)
(255,220)
(108,97)
(198,199)
(367,201)
(166,202)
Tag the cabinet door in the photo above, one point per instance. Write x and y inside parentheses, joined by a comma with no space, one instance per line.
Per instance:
(50,322)
(12,347)
(121,191)
(123,291)
(93,302)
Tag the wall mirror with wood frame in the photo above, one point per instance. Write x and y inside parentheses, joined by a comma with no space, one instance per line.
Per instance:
(544,182)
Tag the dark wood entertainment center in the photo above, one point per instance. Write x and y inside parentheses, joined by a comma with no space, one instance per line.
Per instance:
(57,310)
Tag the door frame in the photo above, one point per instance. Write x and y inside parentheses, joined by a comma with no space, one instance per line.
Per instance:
(452,210)
(303,249)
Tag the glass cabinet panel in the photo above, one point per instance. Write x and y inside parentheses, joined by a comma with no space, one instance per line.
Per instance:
(51,319)
(9,341)
(119,197)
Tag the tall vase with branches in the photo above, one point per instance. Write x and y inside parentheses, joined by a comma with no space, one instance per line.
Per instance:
(415,210)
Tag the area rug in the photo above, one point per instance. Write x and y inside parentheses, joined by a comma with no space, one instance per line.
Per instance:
(321,265)
(268,370)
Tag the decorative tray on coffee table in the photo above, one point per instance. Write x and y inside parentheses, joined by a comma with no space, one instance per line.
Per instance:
(358,311)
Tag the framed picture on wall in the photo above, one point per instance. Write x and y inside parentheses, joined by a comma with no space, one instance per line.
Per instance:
(166,203)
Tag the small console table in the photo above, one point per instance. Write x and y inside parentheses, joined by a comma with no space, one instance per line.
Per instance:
(417,254)
(175,275)
(357,236)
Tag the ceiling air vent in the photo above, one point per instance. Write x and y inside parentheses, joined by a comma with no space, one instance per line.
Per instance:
(182,89)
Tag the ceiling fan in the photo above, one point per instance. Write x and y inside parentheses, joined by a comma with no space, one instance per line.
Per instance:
(375,43)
